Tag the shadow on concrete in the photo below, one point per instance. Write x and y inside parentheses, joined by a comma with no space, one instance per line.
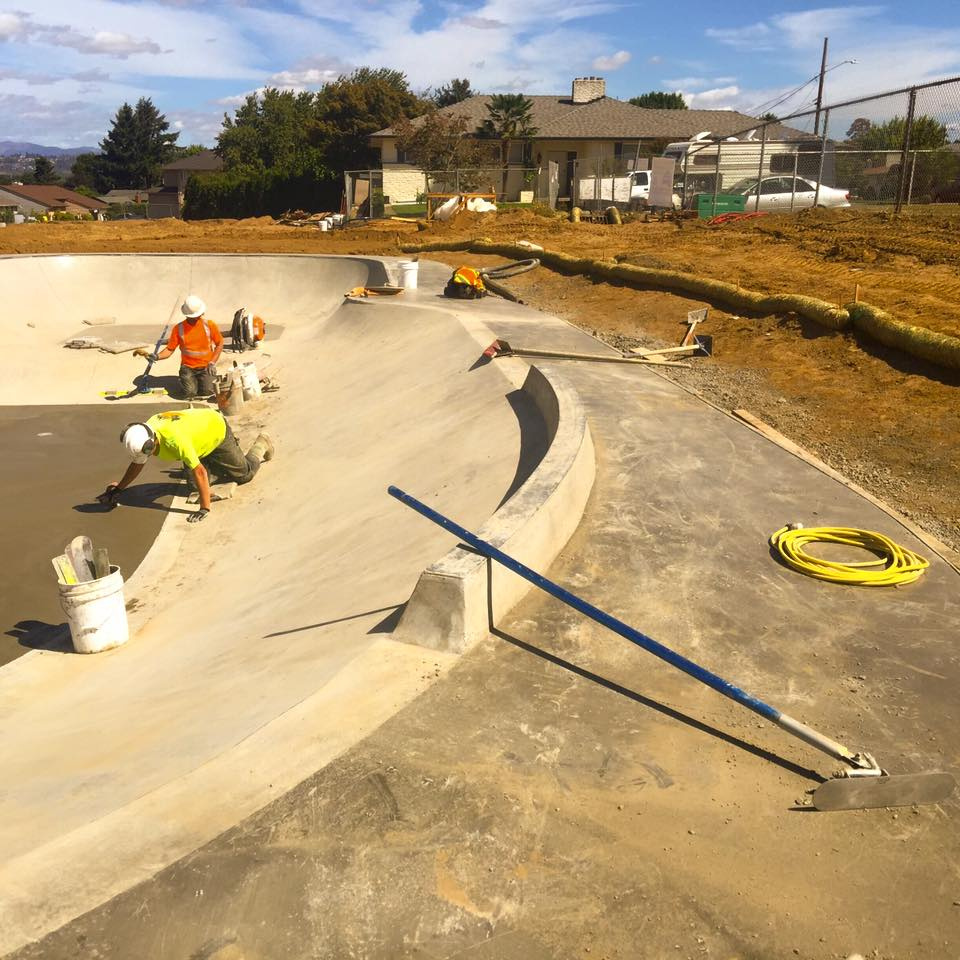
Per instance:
(39,635)
(534,440)
(661,708)
(148,496)
(386,625)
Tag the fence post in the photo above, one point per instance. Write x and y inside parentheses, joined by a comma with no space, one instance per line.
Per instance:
(796,167)
(716,180)
(763,150)
(907,132)
(913,170)
(823,153)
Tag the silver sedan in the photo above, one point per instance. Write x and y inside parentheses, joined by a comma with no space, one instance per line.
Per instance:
(789,193)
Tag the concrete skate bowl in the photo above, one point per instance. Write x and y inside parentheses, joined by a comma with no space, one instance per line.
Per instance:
(264,640)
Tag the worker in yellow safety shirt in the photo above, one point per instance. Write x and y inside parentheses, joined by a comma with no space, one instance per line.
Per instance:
(200,343)
(202,440)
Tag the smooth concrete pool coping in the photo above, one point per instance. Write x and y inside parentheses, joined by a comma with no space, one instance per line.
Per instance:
(147,751)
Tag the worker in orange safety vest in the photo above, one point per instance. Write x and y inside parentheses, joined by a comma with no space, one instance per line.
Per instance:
(200,343)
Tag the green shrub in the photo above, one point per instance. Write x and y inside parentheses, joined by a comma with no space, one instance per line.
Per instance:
(238,194)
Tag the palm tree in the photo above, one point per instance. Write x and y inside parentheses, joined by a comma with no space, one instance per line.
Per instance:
(510,119)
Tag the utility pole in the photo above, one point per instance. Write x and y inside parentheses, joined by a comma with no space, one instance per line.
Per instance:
(823,70)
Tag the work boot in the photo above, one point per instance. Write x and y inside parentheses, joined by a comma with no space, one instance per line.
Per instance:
(262,448)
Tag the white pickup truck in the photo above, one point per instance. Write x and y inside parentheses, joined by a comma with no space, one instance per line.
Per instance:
(640,189)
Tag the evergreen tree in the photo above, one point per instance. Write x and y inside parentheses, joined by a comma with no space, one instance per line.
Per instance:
(44,170)
(88,171)
(660,100)
(137,146)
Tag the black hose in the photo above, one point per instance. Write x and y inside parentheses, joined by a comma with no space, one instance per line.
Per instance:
(509,269)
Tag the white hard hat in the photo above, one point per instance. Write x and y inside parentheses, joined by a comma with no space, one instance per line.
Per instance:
(193,306)
(139,440)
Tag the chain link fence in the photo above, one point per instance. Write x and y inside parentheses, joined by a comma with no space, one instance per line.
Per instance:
(405,189)
(896,149)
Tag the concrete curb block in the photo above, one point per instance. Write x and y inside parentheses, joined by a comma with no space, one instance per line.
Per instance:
(458,598)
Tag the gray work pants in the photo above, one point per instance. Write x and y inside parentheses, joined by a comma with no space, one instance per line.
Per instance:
(196,382)
(229,462)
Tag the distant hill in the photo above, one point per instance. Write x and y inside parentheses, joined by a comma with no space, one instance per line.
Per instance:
(12,148)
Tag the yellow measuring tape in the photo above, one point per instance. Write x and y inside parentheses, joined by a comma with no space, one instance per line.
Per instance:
(894,566)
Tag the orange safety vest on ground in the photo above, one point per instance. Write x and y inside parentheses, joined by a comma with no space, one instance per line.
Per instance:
(197,342)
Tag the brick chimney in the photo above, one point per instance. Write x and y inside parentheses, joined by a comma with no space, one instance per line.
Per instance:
(586,89)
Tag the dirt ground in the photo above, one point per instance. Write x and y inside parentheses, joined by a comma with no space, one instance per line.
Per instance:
(883,419)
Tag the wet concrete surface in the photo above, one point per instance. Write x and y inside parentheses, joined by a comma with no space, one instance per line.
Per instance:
(58,458)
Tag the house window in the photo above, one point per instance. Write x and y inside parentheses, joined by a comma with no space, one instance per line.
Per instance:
(782,162)
(517,151)
(618,150)
(401,156)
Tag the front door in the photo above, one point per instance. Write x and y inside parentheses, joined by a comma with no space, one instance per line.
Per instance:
(564,161)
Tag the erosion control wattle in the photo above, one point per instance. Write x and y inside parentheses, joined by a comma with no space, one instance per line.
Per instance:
(865,784)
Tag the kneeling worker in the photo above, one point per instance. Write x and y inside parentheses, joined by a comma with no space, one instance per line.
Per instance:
(200,343)
(202,440)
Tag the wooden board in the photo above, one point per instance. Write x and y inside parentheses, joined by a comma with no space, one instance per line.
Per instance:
(864,793)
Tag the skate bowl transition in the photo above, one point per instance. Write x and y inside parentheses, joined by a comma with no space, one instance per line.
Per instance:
(303,612)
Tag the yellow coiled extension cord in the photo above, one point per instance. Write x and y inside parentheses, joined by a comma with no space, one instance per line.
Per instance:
(897,565)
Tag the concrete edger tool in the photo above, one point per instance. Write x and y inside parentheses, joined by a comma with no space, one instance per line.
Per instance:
(865,784)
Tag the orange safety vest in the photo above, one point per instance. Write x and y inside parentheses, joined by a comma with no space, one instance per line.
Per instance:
(196,342)
(469,277)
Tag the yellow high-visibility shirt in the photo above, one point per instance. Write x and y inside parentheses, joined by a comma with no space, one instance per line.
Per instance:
(188,435)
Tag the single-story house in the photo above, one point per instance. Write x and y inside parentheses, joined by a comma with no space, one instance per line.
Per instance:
(167,201)
(583,131)
(35,200)
(121,196)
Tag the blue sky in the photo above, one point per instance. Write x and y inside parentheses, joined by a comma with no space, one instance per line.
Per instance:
(66,65)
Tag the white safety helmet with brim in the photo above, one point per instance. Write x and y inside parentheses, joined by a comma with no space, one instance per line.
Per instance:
(193,307)
(139,440)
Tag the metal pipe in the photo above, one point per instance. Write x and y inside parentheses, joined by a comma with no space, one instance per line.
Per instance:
(707,677)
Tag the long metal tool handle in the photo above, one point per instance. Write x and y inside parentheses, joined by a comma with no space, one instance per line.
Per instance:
(793,727)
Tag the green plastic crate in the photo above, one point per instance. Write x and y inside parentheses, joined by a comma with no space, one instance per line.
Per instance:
(726,203)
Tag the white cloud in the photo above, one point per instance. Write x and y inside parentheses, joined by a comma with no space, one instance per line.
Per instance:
(613,62)
(686,83)
(310,72)
(719,98)
(119,45)
(12,25)
(753,37)
(482,23)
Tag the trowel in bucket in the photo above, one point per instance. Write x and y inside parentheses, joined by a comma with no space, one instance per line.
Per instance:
(862,784)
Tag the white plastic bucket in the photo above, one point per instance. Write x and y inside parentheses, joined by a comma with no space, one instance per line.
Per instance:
(96,612)
(324,225)
(249,380)
(408,274)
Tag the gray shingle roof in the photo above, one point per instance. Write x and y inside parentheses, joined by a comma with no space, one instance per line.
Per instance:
(203,161)
(559,118)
